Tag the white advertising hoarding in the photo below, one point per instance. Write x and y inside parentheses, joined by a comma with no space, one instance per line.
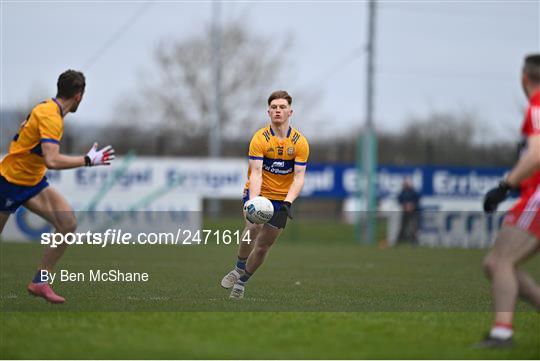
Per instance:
(164,186)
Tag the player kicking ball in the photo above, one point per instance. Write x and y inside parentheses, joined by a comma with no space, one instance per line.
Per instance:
(33,150)
(278,157)
(519,237)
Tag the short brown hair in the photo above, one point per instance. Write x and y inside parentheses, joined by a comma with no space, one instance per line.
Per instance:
(280,94)
(531,67)
(70,83)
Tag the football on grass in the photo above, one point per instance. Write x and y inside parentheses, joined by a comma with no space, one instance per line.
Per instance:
(258,210)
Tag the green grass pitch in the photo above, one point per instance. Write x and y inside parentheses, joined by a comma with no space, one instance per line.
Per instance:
(319,296)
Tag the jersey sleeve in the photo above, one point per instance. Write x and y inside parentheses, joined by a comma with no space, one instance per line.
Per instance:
(256,149)
(302,154)
(532,119)
(50,129)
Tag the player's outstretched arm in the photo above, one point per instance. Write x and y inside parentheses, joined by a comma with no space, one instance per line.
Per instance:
(255,177)
(527,164)
(297,184)
(55,160)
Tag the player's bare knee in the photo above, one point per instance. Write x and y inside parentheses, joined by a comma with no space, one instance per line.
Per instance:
(252,227)
(67,223)
(262,249)
(489,264)
(494,263)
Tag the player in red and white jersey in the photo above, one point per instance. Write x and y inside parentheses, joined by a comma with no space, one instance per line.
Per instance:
(519,237)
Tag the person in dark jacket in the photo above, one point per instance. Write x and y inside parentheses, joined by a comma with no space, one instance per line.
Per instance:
(409,200)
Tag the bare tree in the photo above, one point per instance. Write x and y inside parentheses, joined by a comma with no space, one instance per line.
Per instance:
(176,94)
(445,139)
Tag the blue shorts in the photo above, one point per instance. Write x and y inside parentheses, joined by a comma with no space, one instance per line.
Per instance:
(277,206)
(12,196)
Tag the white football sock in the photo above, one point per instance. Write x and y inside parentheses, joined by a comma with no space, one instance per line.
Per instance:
(502,333)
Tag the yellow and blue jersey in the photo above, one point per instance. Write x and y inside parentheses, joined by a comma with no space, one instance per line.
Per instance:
(24,164)
(279,158)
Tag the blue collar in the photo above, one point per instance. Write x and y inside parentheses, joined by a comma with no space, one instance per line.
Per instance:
(59,107)
(273,134)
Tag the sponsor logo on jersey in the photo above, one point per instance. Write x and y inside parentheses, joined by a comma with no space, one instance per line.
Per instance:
(278,166)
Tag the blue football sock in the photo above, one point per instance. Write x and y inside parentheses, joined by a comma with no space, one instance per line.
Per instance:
(245,277)
(241,264)
(37,278)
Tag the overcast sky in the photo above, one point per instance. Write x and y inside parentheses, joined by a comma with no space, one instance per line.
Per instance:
(430,56)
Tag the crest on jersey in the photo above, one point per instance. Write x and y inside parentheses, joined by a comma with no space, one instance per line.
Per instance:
(280,150)
(290,151)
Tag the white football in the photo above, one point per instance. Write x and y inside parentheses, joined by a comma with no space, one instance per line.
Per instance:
(258,210)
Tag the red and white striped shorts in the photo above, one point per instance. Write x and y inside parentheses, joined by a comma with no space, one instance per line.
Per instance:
(525,214)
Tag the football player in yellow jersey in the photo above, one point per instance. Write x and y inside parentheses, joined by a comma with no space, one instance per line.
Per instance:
(34,149)
(278,157)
